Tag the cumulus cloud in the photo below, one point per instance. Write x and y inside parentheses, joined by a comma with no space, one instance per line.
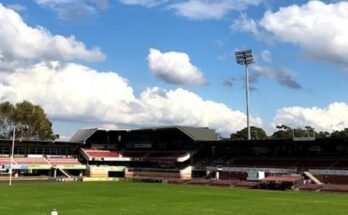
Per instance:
(317,27)
(72,92)
(175,68)
(210,9)
(67,9)
(22,42)
(283,77)
(330,118)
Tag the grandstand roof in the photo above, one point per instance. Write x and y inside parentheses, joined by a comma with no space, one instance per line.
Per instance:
(194,133)
(199,134)
(82,135)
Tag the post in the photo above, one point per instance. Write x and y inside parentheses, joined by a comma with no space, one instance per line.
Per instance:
(12,152)
(247,99)
(245,57)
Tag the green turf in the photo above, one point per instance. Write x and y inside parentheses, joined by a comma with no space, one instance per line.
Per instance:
(142,198)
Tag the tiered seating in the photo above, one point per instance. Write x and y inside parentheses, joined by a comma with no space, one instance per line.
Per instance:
(63,161)
(32,161)
(200,181)
(97,153)
(248,184)
(223,183)
(6,161)
(262,163)
(153,155)
(162,154)
(134,154)
(177,181)
(335,188)
(315,163)
(310,187)
(342,164)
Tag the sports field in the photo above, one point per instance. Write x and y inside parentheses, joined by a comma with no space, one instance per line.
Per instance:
(143,198)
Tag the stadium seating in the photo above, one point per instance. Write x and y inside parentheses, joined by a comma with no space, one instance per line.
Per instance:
(248,184)
(100,154)
(32,161)
(310,187)
(63,161)
(200,181)
(335,188)
(341,164)
(223,183)
(177,181)
(314,163)
(6,161)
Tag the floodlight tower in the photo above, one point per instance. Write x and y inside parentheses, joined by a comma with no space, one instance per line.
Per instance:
(245,57)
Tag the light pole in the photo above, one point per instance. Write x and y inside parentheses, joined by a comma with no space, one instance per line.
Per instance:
(245,57)
(12,152)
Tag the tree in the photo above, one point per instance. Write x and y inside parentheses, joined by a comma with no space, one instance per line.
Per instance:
(284,132)
(6,119)
(340,134)
(255,132)
(30,120)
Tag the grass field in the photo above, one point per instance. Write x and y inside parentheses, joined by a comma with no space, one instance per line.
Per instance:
(143,198)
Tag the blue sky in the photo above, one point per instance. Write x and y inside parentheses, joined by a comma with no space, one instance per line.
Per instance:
(138,63)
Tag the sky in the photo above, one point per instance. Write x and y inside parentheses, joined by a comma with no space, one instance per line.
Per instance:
(125,64)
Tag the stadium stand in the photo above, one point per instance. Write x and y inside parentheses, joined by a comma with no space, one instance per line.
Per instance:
(6,161)
(63,161)
(32,161)
(334,188)
(310,187)
(248,184)
(182,154)
(98,154)
(223,183)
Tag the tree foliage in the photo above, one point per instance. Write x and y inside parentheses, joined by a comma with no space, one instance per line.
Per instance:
(340,134)
(30,120)
(255,133)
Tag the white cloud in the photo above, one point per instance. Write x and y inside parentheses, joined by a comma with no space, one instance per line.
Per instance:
(266,56)
(72,92)
(145,3)
(330,118)
(175,68)
(68,9)
(16,7)
(318,27)
(22,42)
(210,9)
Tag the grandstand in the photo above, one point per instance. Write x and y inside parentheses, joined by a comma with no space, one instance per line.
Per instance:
(185,155)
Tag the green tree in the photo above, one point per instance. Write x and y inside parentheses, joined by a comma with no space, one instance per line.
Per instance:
(284,132)
(6,119)
(31,121)
(340,134)
(255,133)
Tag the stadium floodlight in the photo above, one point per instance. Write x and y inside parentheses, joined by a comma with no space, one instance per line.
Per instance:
(245,57)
